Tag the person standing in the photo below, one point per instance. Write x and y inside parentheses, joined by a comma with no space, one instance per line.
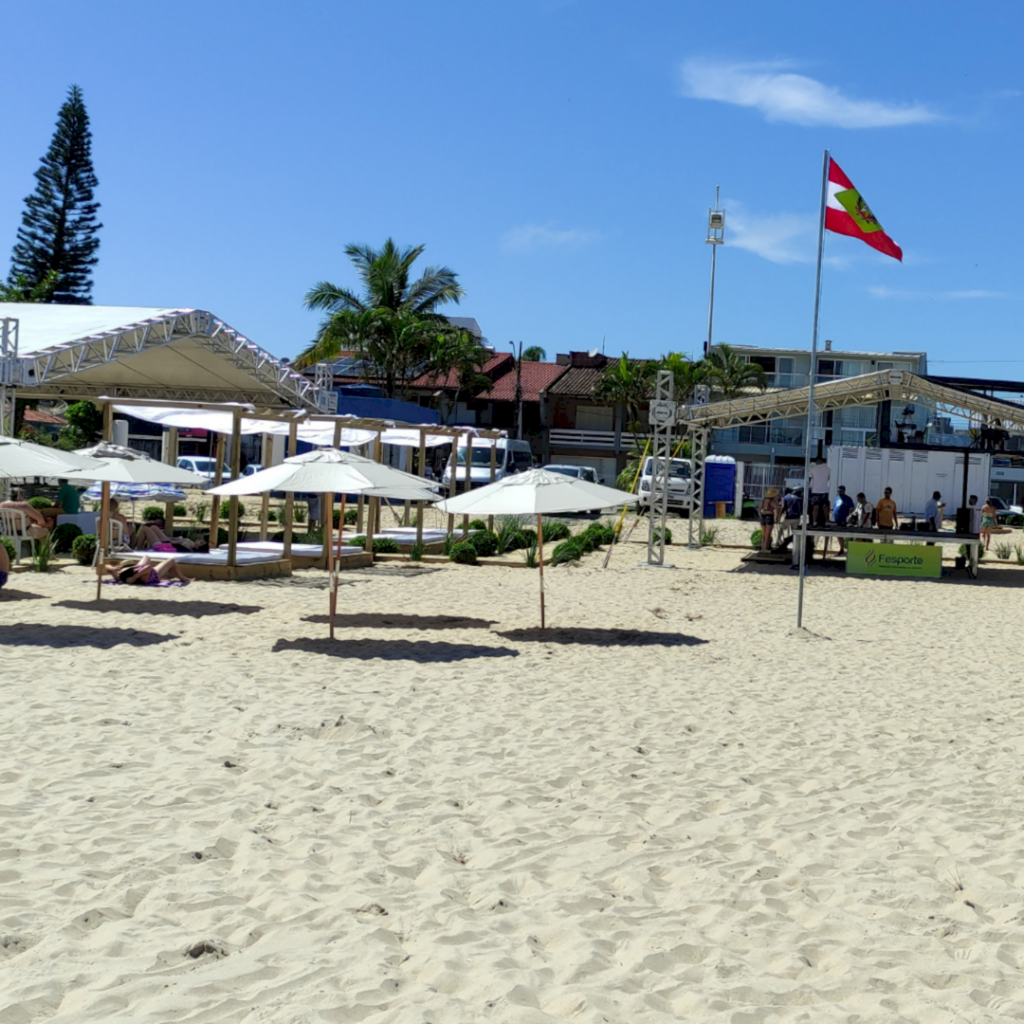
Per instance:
(769,511)
(863,512)
(842,509)
(933,515)
(886,512)
(68,498)
(819,481)
(988,522)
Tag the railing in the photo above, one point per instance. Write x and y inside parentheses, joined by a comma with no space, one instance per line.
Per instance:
(595,439)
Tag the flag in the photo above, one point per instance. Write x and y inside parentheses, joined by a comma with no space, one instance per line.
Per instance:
(846,213)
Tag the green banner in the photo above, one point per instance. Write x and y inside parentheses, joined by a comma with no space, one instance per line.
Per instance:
(894,559)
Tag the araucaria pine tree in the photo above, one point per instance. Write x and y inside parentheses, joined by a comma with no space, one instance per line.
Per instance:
(59,231)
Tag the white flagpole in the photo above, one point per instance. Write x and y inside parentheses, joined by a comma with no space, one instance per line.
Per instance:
(810,396)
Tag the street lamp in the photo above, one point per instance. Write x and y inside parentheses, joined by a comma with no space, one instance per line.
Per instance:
(716,237)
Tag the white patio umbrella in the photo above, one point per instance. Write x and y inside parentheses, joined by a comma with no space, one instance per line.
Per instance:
(115,464)
(330,471)
(23,458)
(536,492)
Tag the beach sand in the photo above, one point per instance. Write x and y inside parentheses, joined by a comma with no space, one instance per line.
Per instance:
(671,806)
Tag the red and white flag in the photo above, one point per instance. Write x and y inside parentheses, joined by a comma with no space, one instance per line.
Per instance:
(846,213)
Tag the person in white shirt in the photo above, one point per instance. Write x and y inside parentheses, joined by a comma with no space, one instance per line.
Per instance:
(862,513)
(819,480)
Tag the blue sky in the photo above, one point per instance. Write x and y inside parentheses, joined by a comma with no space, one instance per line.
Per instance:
(560,156)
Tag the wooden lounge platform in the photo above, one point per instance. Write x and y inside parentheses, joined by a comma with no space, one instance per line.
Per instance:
(305,556)
(213,565)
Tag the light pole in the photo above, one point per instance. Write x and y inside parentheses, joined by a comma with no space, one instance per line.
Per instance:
(716,237)
(519,387)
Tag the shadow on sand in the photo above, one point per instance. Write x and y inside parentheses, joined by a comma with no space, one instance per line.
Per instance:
(393,650)
(8,593)
(603,637)
(371,620)
(160,606)
(34,634)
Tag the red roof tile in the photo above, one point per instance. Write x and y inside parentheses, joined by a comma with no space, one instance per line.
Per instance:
(42,416)
(535,377)
(491,369)
(578,380)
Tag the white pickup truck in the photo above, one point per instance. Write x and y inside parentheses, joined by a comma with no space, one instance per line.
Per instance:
(680,484)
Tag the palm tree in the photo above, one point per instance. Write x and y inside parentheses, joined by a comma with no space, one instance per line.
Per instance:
(686,374)
(630,383)
(534,354)
(389,326)
(730,374)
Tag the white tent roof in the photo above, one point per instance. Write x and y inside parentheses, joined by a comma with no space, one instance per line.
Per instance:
(149,352)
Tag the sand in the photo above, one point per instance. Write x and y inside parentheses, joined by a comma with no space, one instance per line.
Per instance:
(672,806)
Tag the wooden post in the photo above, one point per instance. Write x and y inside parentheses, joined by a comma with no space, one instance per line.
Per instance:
(289,501)
(540,560)
(327,501)
(218,478)
(494,467)
(104,538)
(361,501)
(172,460)
(265,451)
(469,481)
(373,515)
(453,487)
(421,506)
(236,471)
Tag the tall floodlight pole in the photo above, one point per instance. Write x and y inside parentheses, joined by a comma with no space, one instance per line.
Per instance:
(716,237)
(810,395)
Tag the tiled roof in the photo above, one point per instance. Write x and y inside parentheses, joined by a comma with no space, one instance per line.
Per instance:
(492,368)
(534,378)
(42,416)
(578,380)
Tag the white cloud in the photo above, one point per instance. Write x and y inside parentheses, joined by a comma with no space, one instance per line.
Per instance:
(781,95)
(779,237)
(881,292)
(531,237)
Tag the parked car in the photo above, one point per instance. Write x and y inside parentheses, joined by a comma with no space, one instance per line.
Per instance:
(201,464)
(680,484)
(1003,510)
(587,473)
(253,467)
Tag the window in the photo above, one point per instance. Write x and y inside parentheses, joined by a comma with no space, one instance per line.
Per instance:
(595,417)
(785,378)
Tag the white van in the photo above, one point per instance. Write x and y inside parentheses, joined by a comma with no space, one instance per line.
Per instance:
(511,457)
(680,484)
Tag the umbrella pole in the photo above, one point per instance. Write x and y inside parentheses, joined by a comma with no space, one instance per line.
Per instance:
(540,557)
(334,576)
(329,523)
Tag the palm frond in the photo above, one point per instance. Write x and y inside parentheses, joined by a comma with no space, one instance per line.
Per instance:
(324,295)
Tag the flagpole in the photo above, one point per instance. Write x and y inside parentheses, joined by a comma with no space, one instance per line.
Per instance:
(810,396)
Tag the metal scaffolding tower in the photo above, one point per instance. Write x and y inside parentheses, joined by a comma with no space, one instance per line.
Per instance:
(663,414)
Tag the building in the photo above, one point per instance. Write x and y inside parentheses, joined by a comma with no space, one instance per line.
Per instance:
(782,441)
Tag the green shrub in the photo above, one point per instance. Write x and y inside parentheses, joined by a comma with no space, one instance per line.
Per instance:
(508,528)
(1003,551)
(222,536)
(477,524)
(668,535)
(201,510)
(299,513)
(525,539)
(1018,550)
(1015,520)
(385,546)
(418,549)
(272,516)
(180,511)
(356,542)
(64,536)
(152,512)
(556,530)
(9,548)
(586,542)
(351,516)
(707,538)
(39,502)
(964,552)
(463,553)
(756,539)
(225,509)
(566,552)
(42,555)
(530,550)
(601,532)
(485,543)
(84,548)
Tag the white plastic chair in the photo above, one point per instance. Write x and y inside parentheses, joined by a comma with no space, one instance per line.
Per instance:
(14,527)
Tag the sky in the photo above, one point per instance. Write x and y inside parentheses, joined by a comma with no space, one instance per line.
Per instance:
(560,156)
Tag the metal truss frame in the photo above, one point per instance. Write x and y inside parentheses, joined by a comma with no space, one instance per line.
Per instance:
(663,415)
(45,369)
(868,389)
(698,456)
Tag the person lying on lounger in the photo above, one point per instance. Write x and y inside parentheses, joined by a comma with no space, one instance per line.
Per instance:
(144,573)
(37,524)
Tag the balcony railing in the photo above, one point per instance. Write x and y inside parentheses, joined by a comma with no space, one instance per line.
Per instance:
(603,439)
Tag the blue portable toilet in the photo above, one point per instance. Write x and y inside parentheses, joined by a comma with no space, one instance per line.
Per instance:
(719,483)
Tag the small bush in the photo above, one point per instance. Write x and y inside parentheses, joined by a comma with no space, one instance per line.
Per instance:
(418,550)
(356,542)
(463,553)
(43,553)
(601,532)
(965,552)
(556,530)
(351,516)
(299,513)
(668,535)
(1014,520)
(1003,551)
(64,536)
(508,528)
(84,548)
(39,502)
(707,538)
(566,552)
(1019,552)
(201,510)
(9,548)
(385,546)
(477,524)
(152,512)
(272,516)
(222,536)
(586,542)
(485,543)
(225,509)
(180,511)
(756,539)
